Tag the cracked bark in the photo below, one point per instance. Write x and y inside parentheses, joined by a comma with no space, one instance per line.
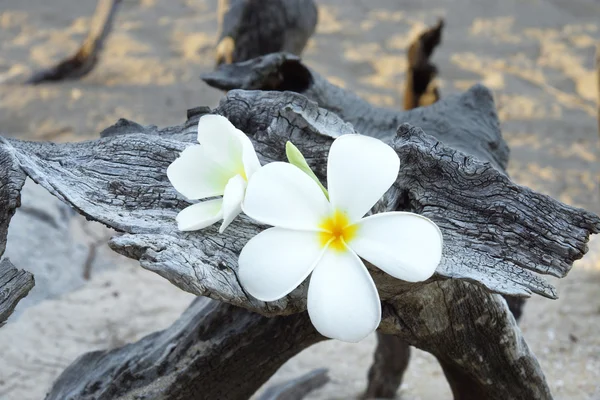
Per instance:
(498,236)
(14,283)
(474,130)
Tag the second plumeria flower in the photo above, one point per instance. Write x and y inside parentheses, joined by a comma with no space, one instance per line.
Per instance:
(328,237)
(219,166)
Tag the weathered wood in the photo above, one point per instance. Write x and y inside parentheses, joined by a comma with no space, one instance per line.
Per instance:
(421,88)
(12,179)
(214,351)
(392,354)
(467,123)
(297,388)
(495,232)
(14,285)
(86,57)
(251,28)
(485,356)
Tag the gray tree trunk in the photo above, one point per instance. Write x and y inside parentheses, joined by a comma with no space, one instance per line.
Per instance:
(498,237)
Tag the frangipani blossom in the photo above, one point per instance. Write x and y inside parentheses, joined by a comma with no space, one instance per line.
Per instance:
(219,166)
(328,237)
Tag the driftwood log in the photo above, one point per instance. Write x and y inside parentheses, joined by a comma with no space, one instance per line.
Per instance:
(498,236)
(14,283)
(286,72)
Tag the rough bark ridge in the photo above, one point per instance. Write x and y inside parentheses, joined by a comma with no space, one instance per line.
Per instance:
(14,285)
(120,181)
(473,130)
(87,56)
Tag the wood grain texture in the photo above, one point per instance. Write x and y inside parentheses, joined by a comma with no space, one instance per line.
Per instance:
(14,285)
(497,234)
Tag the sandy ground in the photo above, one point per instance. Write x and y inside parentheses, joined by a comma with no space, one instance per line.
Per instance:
(537,56)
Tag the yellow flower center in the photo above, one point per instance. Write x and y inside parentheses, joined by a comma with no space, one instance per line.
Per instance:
(337,231)
(242,172)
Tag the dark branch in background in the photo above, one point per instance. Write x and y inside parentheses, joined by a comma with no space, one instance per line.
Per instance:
(252,28)
(14,285)
(390,361)
(86,58)
(468,127)
(421,87)
(247,29)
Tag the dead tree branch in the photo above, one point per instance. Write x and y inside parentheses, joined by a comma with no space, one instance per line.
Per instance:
(87,56)
(421,87)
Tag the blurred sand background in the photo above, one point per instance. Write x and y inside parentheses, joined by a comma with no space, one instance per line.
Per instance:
(536,55)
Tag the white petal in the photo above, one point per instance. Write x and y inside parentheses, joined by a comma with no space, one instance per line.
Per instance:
(227,144)
(196,176)
(343,302)
(276,261)
(405,245)
(280,194)
(200,215)
(249,157)
(232,200)
(360,169)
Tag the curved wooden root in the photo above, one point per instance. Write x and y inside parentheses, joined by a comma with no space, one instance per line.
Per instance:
(214,351)
(475,338)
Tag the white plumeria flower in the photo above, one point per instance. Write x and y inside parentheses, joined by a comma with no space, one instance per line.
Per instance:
(220,166)
(327,237)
